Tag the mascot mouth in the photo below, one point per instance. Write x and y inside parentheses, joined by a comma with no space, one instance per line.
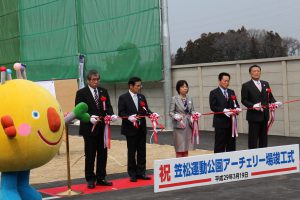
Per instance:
(47,141)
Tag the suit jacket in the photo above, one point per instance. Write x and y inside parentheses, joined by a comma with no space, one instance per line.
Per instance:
(218,103)
(126,107)
(177,107)
(251,95)
(85,95)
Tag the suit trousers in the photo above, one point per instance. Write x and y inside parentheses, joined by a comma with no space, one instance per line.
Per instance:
(136,155)
(257,133)
(94,146)
(224,141)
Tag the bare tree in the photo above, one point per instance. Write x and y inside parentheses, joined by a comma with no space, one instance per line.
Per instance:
(292,45)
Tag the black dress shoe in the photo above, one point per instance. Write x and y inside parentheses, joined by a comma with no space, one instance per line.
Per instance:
(104,182)
(133,179)
(91,184)
(143,177)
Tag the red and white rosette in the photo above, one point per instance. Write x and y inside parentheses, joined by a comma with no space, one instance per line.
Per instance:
(234,124)
(195,127)
(154,120)
(272,108)
(107,134)
(143,105)
(103,99)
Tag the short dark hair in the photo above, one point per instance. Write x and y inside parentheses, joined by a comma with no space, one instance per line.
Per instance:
(223,74)
(133,80)
(181,83)
(91,73)
(250,68)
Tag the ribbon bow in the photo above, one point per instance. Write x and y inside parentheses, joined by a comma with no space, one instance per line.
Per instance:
(154,120)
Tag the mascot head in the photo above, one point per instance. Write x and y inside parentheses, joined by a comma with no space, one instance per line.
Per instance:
(32,125)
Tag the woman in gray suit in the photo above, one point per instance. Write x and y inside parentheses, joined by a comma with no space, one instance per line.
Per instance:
(181,109)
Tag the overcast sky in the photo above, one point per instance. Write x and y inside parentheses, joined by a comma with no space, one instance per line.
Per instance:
(188,19)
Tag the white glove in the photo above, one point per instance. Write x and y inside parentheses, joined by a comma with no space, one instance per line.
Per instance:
(238,110)
(114,118)
(177,117)
(132,118)
(278,104)
(258,107)
(94,119)
(227,112)
(199,114)
(156,114)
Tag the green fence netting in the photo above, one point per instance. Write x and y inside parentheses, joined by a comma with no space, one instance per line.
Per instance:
(9,32)
(120,38)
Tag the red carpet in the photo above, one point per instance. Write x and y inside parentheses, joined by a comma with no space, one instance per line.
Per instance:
(118,184)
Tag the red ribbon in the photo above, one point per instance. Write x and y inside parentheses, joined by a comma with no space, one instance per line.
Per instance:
(135,124)
(234,128)
(107,135)
(103,99)
(195,127)
(272,108)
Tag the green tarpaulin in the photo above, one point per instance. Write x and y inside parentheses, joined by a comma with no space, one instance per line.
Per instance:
(120,38)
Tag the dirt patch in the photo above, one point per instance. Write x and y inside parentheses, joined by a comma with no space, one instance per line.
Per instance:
(56,169)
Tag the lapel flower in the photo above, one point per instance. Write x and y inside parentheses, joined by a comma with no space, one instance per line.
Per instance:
(143,105)
(103,98)
(233,98)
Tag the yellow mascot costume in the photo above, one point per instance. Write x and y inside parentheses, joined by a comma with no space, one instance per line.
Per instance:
(32,125)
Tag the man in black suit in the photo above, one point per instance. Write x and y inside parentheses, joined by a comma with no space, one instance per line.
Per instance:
(99,106)
(220,100)
(255,97)
(132,105)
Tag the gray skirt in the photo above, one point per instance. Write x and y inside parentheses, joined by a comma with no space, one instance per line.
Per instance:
(183,139)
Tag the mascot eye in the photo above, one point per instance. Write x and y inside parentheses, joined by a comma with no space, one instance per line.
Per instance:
(35,114)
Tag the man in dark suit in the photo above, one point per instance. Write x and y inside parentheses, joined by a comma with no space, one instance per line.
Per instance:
(132,105)
(99,106)
(255,97)
(220,100)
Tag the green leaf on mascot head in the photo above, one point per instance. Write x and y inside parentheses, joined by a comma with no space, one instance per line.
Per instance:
(85,117)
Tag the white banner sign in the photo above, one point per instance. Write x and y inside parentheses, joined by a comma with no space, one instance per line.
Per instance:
(48,85)
(178,173)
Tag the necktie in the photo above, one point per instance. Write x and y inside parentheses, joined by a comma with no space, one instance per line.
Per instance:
(226,95)
(135,100)
(258,85)
(96,97)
